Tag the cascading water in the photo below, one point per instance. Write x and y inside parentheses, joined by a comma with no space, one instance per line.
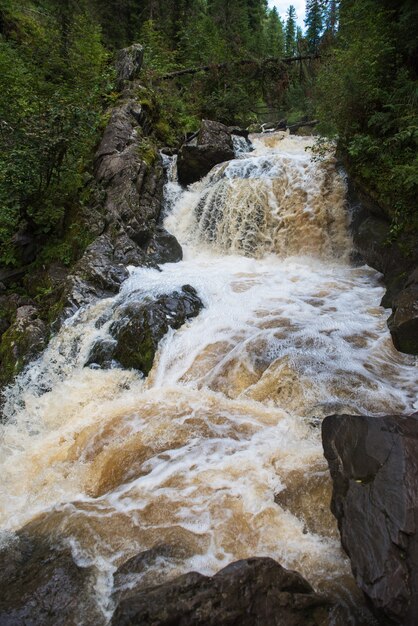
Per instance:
(217,453)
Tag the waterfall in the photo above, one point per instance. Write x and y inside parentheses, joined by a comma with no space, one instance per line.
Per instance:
(268,201)
(217,453)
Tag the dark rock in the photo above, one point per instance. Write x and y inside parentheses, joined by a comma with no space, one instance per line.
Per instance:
(396,260)
(240,132)
(141,326)
(146,569)
(8,276)
(251,592)
(164,248)
(98,267)
(128,64)
(196,158)
(403,323)
(4,325)
(26,246)
(374,467)
(42,586)
(102,353)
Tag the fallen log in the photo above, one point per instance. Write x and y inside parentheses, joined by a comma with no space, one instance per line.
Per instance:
(224,64)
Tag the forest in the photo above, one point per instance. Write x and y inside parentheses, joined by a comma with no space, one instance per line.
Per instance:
(57,84)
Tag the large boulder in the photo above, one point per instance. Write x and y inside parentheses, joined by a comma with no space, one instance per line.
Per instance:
(41,585)
(374,467)
(196,158)
(251,592)
(403,323)
(141,326)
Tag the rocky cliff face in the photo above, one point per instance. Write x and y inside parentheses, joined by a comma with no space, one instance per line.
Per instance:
(122,221)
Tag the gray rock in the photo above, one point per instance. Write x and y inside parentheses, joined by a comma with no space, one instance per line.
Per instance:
(251,592)
(374,467)
(128,64)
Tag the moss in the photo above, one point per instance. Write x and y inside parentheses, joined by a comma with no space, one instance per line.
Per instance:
(139,355)
(12,348)
(147,151)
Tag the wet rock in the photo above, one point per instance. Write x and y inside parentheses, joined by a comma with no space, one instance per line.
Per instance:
(403,323)
(196,158)
(142,325)
(97,266)
(148,568)
(41,585)
(128,64)
(164,247)
(396,259)
(250,592)
(240,132)
(102,353)
(374,467)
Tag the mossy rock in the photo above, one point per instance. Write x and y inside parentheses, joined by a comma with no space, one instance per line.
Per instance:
(22,341)
(141,326)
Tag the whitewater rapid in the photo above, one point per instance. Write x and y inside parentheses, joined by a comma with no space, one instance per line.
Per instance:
(217,453)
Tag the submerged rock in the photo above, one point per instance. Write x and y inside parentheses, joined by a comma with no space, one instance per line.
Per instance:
(197,157)
(141,326)
(250,592)
(41,585)
(374,467)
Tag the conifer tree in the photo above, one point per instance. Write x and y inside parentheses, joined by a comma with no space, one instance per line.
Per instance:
(274,35)
(290,32)
(314,24)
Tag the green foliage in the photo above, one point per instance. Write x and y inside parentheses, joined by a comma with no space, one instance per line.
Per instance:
(314,22)
(290,32)
(52,74)
(368,96)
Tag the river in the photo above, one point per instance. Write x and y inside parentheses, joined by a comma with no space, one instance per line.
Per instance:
(217,453)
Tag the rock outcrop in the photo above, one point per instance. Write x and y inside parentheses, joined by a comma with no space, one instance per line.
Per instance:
(374,467)
(211,146)
(252,592)
(128,64)
(141,326)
